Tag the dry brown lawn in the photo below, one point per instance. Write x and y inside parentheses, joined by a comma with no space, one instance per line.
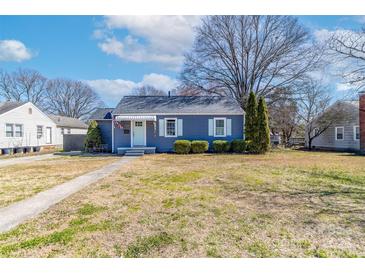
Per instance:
(21,181)
(283,204)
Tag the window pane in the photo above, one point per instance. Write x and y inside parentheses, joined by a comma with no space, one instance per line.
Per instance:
(357,133)
(9,130)
(339,133)
(219,127)
(170,128)
(18,130)
(39,132)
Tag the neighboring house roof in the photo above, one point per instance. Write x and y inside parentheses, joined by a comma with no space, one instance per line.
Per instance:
(63,121)
(101,114)
(177,105)
(7,106)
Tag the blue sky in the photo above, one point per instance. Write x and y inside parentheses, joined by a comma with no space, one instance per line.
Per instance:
(115,54)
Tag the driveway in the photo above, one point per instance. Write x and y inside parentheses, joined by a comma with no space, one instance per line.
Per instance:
(19,212)
(26,159)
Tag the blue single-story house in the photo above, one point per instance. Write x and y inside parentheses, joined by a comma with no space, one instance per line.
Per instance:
(154,123)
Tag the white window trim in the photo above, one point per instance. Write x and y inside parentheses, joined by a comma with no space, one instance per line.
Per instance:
(214,126)
(355,133)
(343,133)
(165,122)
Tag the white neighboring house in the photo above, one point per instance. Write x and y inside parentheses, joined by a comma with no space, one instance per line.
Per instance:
(67,126)
(23,125)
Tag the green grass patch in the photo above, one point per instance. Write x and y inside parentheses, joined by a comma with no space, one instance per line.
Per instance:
(260,250)
(144,245)
(89,209)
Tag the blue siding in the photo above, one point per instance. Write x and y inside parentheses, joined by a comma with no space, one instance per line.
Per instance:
(122,136)
(195,127)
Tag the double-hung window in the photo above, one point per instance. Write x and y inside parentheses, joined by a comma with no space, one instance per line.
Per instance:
(220,127)
(18,130)
(356,133)
(339,131)
(9,130)
(170,127)
(39,132)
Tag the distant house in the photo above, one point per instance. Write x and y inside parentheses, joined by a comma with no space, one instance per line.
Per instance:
(23,125)
(154,123)
(345,132)
(67,126)
(25,128)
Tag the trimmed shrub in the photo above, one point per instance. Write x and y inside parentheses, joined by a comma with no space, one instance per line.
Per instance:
(221,146)
(199,146)
(238,146)
(182,146)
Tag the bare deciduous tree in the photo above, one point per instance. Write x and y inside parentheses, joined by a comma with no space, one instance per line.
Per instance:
(23,85)
(284,117)
(71,98)
(315,110)
(233,55)
(148,91)
(349,47)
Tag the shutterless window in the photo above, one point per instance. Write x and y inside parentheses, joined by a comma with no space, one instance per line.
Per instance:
(39,132)
(18,130)
(357,133)
(9,130)
(170,127)
(339,133)
(220,127)
(68,131)
(62,131)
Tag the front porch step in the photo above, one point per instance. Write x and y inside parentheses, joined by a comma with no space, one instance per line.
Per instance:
(134,152)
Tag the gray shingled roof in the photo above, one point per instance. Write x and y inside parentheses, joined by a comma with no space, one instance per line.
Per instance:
(177,104)
(7,106)
(100,113)
(64,121)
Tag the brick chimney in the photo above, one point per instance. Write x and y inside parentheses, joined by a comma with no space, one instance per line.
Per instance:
(362,122)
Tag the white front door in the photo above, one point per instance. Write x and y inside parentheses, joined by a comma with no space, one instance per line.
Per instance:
(139,132)
(48,135)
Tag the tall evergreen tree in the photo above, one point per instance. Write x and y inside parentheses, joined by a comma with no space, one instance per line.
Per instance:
(93,137)
(263,131)
(251,118)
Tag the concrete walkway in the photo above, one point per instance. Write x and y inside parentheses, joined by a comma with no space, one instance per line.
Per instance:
(25,159)
(19,212)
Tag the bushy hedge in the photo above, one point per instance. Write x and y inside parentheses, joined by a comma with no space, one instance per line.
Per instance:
(199,146)
(238,146)
(221,146)
(182,146)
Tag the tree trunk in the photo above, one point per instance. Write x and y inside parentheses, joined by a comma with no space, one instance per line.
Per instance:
(310,143)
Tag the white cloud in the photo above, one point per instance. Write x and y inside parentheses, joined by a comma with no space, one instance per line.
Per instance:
(112,90)
(159,39)
(13,50)
(344,87)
